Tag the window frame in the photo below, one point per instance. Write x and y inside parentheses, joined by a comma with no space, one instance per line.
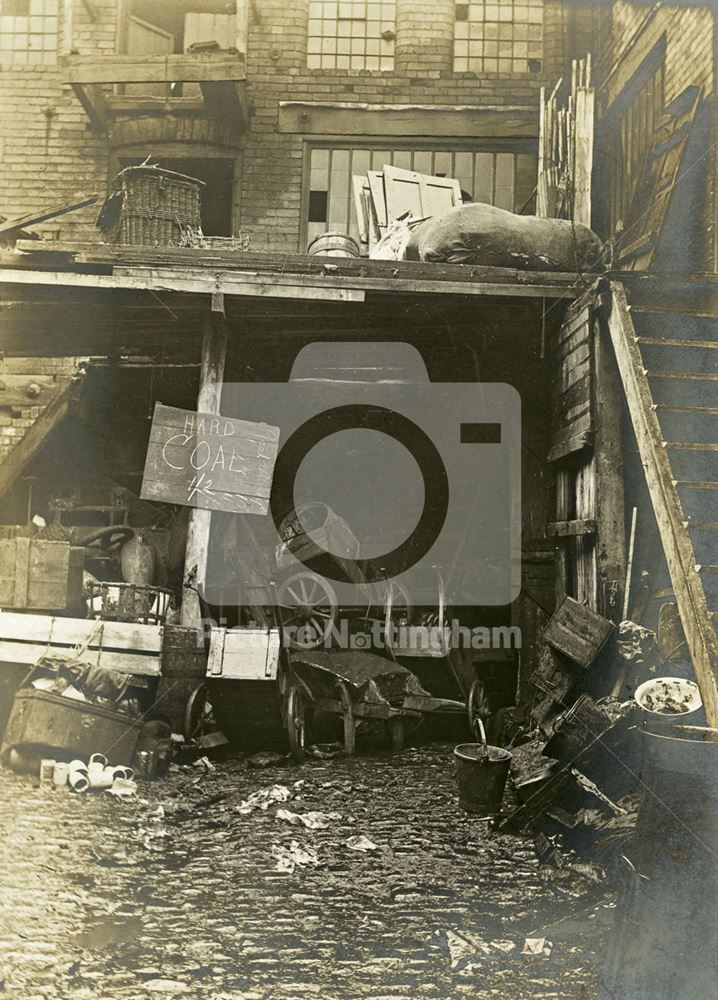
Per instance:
(350,37)
(498,144)
(497,22)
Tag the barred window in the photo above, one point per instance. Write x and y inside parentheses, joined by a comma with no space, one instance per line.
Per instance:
(351,35)
(498,36)
(28,31)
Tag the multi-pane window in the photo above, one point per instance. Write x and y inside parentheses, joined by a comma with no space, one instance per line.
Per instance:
(502,178)
(498,36)
(351,35)
(28,31)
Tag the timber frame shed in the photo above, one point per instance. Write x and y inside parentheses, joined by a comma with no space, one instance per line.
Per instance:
(580,348)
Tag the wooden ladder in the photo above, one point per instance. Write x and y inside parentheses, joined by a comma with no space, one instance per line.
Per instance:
(674,411)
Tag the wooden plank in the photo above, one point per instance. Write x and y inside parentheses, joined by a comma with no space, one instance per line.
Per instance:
(126,647)
(570,445)
(286,263)
(393,120)
(35,436)
(181,68)
(701,636)
(44,215)
(156,280)
(334,289)
(24,391)
(583,165)
(570,529)
(577,631)
(608,458)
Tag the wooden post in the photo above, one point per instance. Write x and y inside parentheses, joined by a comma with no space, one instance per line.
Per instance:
(214,351)
(608,458)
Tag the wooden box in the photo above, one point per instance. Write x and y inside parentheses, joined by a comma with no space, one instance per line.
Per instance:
(72,728)
(577,632)
(246,654)
(39,575)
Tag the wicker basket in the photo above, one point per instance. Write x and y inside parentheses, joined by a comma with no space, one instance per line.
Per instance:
(151,207)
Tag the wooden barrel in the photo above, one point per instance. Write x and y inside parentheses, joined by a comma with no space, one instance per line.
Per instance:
(333,245)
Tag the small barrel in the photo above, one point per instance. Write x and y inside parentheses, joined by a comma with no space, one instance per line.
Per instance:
(333,245)
(481,773)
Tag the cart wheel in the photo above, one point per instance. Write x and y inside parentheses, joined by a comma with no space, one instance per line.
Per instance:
(478,707)
(295,722)
(194,712)
(307,601)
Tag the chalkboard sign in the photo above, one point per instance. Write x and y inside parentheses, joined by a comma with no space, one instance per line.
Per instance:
(206,460)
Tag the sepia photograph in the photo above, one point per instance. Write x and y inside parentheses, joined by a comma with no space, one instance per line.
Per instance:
(358,500)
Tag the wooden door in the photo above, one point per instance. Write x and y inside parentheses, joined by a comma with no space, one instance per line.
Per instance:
(145,39)
(419,194)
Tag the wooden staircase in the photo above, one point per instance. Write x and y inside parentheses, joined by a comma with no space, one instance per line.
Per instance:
(668,364)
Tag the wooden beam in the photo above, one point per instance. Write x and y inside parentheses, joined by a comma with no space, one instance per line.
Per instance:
(323,118)
(34,437)
(155,69)
(608,450)
(211,379)
(571,529)
(203,280)
(92,98)
(34,218)
(695,618)
(165,280)
(227,99)
(123,646)
(294,264)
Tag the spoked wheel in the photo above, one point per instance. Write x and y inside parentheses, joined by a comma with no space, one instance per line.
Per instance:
(194,713)
(295,722)
(309,609)
(478,707)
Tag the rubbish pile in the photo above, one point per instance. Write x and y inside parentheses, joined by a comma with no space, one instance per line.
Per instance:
(575,749)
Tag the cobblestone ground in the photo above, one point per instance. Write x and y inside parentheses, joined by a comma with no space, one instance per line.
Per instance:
(108,900)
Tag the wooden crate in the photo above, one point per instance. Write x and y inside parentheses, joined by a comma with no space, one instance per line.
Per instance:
(36,574)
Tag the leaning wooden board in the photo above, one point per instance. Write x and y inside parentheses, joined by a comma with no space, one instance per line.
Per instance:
(123,646)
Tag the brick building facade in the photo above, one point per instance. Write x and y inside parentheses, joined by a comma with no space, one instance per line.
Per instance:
(450,81)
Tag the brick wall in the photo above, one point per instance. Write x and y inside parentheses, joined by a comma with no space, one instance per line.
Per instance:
(27,387)
(49,153)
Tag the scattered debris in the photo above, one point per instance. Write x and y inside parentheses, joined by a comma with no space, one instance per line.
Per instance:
(536,947)
(263,799)
(311,820)
(294,856)
(266,759)
(123,788)
(361,843)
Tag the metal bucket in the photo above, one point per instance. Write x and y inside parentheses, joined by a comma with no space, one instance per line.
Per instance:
(481,773)
(334,245)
